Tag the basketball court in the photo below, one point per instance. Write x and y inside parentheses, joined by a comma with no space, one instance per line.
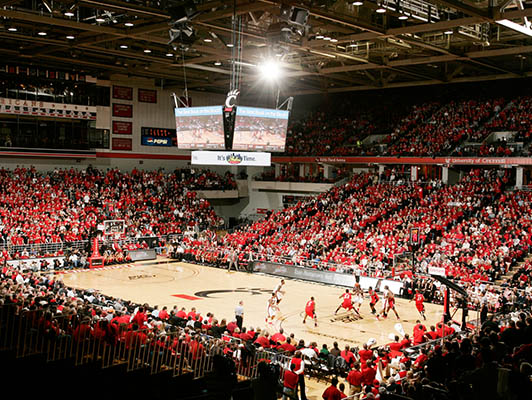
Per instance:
(165,283)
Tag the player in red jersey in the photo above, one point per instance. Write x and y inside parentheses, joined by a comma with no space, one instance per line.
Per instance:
(347,303)
(419,299)
(310,311)
(374,298)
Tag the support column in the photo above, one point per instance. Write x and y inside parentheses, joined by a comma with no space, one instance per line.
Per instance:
(302,170)
(381,171)
(327,171)
(445,175)
(413,173)
(519,177)
(277,170)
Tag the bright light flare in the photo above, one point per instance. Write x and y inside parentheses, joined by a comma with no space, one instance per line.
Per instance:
(270,70)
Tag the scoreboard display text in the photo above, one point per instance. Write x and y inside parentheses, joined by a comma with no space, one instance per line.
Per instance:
(158,137)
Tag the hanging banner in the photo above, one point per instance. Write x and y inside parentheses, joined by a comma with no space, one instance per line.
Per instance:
(122,110)
(44,109)
(147,96)
(122,144)
(122,128)
(231,158)
(122,92)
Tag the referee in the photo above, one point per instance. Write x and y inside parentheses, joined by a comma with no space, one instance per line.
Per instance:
(239,314)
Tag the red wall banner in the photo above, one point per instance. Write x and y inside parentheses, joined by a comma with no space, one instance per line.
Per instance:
(122,110)
(122,144)
(122,93)
(122,128)
(147,96)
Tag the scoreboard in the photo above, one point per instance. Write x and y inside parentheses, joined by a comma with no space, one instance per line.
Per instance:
(158,137)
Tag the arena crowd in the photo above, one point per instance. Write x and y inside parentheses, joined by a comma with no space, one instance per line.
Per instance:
(475,229)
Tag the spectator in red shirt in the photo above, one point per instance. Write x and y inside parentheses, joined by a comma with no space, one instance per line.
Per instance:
(341,388)
(432,334)
(140,318)
(290,380)
(287,346)
(279,337)
(354,378)
(395,345)
(163,314)
(365,354)
(406,342)
(368,373)
(300,370)
(182,313)
(419,333)
(348,356)
(332,392)
(263,340)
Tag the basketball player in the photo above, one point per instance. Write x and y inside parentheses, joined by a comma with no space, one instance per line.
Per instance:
(358,294)
(389,303)
(279,292)
(310,311)
(374,298)
(419,299)
(347,303)
(272,308)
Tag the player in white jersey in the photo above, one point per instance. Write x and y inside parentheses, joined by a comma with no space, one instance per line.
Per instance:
(358,296)
(279,292)
(272,308)
(388,303)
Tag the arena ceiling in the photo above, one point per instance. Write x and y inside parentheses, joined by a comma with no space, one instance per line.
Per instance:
(342,46)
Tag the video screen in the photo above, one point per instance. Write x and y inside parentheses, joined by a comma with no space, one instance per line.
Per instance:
(200,128)
(260,129)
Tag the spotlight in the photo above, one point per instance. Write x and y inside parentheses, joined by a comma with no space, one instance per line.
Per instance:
(169,54)
(217,63)
(207,40)
(70,37)
(42,33)
(123,46)
(403,17)
(129,24)
(270,70)
(100,20)
(449,32)
(69,14)
(12,29)
(230,45)
(147,51)
(319,36)
(380,9)
(358,3)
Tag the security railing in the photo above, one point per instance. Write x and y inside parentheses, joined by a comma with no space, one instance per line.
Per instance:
(62,337)
(36,249)
(43,248)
